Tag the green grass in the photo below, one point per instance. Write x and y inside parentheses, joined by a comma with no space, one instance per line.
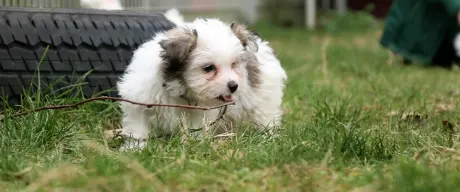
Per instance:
(338,134)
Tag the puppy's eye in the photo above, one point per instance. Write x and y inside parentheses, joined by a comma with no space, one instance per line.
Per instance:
(209,68)
(234,65)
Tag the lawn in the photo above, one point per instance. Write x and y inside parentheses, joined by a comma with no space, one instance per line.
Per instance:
(355,120)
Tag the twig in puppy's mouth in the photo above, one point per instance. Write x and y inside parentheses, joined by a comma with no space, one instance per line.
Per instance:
(148,105)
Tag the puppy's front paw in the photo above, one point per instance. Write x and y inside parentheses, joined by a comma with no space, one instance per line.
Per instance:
(132,144)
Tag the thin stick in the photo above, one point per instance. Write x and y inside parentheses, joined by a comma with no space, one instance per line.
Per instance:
(117,99)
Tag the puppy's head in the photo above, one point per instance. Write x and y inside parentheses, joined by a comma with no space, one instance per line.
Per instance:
(213,61)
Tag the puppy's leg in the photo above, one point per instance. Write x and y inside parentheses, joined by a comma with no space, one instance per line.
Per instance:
(267,119)
(136,127)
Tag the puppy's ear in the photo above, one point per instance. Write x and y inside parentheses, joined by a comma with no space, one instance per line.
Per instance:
(247,38)
(176,50)
(179,44)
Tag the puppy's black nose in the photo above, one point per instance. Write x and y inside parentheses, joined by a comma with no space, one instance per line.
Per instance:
(232,85)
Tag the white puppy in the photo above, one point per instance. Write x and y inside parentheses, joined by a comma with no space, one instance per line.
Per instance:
(207,63)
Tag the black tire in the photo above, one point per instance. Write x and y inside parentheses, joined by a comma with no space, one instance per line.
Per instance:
(79,40)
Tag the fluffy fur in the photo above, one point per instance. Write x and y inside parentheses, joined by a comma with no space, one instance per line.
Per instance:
(201,63)
(174,16)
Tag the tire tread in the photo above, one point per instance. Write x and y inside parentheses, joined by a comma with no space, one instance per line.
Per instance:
(79,41)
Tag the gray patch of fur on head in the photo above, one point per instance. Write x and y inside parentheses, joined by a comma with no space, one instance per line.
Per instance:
(247,38)
(176,50)
(253,69)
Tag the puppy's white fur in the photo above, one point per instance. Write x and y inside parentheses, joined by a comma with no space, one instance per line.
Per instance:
(174,16)
(257,101)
